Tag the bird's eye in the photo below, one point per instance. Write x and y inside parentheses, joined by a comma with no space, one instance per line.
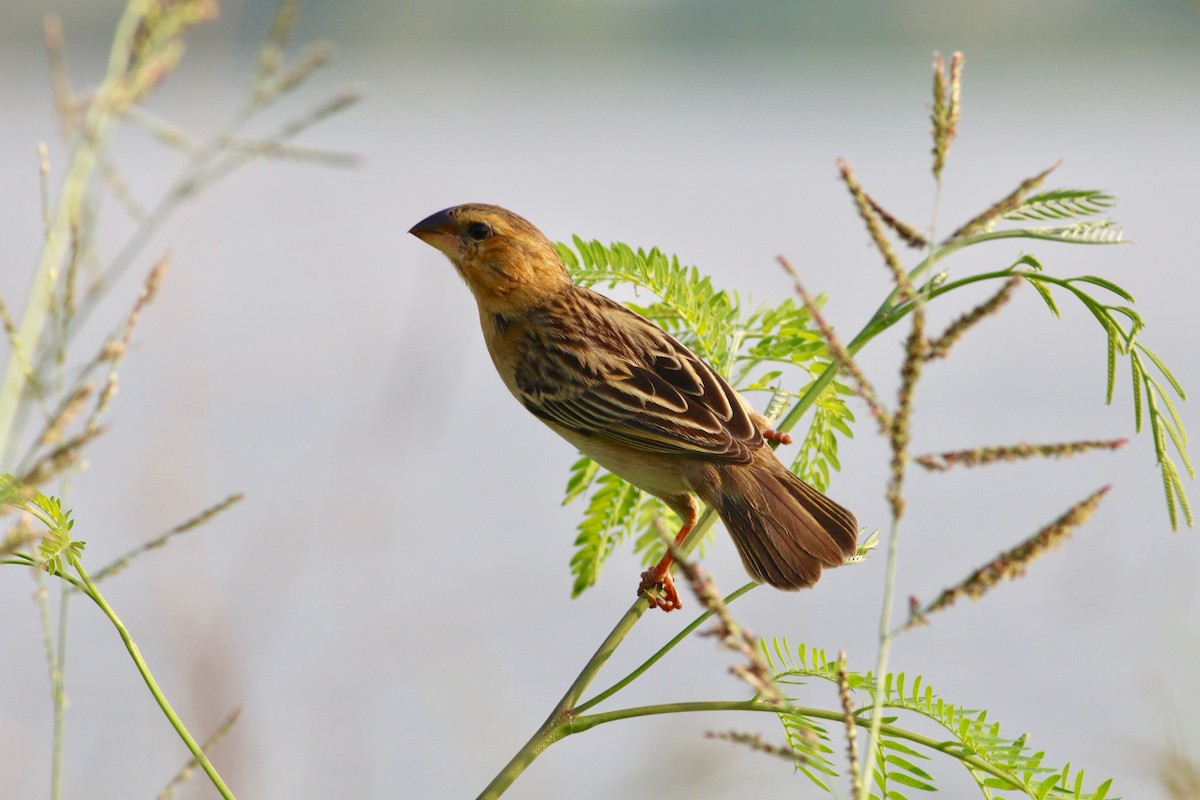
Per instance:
(479,231)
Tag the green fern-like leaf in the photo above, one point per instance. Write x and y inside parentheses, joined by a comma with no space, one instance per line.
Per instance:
(810,744)
(995,761)
(1103,231)
(10,490)
(583,473)
(1062,204)
(688,306)
(1152,401)
(57,549)
(605,523)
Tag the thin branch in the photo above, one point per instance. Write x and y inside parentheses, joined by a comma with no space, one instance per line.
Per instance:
(728,630)
(187,770)
(176,723)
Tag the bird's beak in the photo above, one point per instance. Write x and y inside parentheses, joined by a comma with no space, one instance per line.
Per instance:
(439,230)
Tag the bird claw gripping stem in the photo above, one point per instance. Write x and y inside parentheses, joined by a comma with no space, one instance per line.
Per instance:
(659,588)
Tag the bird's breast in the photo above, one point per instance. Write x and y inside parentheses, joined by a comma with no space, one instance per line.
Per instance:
(503,336)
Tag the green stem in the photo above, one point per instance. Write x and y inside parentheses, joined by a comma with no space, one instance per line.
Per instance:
(648,663)
(59,681)
(551,730)
(949,747)
(131,646)
(569,706)
(54,669)
(22,560)
(885,649)
(888,314)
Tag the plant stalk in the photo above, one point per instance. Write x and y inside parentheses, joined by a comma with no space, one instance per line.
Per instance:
(93,136)
(140,662)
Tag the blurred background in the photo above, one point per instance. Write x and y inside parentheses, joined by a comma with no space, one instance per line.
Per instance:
(390,604)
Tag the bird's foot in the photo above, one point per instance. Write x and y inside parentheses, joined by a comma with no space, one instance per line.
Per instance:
(659,588)
(772,435)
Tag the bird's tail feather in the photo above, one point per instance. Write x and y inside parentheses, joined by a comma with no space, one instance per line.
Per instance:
(784,529)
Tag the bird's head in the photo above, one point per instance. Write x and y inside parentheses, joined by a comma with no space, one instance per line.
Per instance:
(507,262)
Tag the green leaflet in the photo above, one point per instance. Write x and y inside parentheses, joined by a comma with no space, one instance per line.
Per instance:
(968,736)
(1152,400)
(1062,204)
(57,549)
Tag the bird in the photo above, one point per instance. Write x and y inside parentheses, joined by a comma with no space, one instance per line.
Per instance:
(638,402)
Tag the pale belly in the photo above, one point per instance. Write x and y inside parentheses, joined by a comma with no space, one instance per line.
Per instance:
(660,475)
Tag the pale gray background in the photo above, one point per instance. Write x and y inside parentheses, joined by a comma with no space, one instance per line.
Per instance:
(390,604)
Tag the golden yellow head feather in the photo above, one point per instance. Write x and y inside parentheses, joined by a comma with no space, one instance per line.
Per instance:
(504,259)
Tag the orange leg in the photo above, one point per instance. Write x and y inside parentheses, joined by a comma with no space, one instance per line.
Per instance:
(657,583)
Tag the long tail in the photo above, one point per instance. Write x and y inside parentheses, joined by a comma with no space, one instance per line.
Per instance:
(784,529)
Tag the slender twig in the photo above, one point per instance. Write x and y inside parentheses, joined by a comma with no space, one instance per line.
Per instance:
(54,652)
(915,351)
(662,651)
(59,682)
(271,55)
(950,747)
(187,770)
(866,210)
(64,415)
(114,349)
(176,723)
(60,81)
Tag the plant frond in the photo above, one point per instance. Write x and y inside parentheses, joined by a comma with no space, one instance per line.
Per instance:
(1044,291)
(606,522)
(995,761)
(1062,204)
(1152,401)
(57,549)
(1104,231)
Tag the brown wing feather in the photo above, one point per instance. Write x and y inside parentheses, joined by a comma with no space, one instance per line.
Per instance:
(602,370)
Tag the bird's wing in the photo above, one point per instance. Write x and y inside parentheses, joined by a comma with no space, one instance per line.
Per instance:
(589,364)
